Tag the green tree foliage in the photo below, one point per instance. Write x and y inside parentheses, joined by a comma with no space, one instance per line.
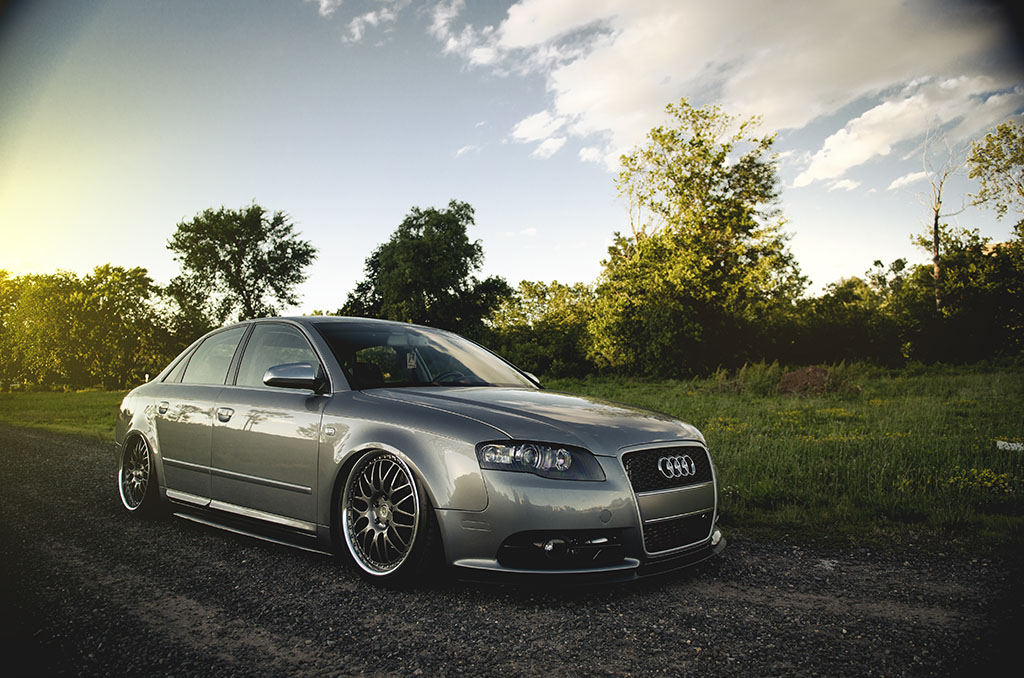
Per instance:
(891,317)
(982,315)
(239,262)
(848,322)
(997,162)
(100,330)
(10,354)
(544,328)
(424,274)
(707,268)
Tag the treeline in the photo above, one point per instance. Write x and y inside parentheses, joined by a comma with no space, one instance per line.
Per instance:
(109,328)
(887,317)
(115,327)
(703,279)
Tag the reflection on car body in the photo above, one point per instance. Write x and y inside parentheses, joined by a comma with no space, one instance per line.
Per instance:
(398,444)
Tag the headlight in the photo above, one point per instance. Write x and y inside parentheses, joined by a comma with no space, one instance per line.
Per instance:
(548,461)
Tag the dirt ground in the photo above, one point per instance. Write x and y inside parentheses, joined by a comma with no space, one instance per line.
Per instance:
(88,590)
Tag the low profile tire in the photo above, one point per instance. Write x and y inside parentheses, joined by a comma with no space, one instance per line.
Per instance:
(136,477)
(386,519)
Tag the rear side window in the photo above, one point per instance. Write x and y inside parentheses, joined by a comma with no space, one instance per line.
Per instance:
(272,344)
(210,362)
(175,376)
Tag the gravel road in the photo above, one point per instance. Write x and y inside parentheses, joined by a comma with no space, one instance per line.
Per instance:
(90,590)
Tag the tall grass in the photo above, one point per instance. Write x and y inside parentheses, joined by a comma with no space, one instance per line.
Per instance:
(889,454)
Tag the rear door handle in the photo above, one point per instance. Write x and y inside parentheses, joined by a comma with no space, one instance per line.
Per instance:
(224,414)
(162,407)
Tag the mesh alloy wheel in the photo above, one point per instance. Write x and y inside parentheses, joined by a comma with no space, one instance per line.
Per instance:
(381,513)
(135,477)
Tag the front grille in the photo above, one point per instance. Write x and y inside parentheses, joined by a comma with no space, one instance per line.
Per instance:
(583,549)
(676,532)
(644,475)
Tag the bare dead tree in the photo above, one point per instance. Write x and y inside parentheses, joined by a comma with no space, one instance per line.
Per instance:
(954,160)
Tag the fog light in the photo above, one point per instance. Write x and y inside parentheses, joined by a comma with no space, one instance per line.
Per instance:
(555,548)
(716,537)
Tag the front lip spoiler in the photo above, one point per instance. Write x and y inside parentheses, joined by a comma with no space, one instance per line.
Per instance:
(552,578)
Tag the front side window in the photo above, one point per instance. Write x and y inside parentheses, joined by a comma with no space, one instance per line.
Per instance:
(210,362)
(374,356)
(272,344)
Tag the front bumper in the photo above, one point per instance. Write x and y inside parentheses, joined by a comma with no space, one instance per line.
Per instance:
(536,526)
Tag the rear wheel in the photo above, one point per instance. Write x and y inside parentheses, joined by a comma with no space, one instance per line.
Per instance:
(386,518)
(136,479)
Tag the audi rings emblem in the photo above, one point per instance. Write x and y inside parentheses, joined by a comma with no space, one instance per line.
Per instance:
(679,466)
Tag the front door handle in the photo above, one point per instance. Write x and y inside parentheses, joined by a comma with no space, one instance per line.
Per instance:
(224,414)
(162,407)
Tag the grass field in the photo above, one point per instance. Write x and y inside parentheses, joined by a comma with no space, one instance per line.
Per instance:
(907,455)
(84,413)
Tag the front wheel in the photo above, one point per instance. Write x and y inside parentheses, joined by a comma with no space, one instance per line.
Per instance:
(386,518)
(136,478)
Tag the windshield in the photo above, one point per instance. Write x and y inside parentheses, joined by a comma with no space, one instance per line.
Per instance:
(375,355)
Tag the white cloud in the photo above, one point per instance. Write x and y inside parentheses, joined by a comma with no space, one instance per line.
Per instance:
(612,65)
(843,185)
(327,7)
(536,127)
(906,179)
(357,26)
(919,109)
(442,17)
(549,147)
(466,149)
(591,154)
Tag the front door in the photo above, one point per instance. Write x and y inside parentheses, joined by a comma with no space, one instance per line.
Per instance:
(265,439)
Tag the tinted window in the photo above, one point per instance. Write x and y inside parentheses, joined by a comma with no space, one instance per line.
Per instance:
(175,374)
(210,363)
(375,355)
(272,344)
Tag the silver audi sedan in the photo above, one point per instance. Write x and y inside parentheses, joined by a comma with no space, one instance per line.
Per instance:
(403,447)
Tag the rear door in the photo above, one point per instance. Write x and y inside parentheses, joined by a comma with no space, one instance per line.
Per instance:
(184,415)
(266,439)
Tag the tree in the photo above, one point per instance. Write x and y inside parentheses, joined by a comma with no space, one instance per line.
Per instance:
(424,274)
(242,261)
(998,162)
(10,292)
(707,266)
(544,328)
(937,177)
(99,330)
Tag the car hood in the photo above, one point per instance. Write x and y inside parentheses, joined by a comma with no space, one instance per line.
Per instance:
(544,416)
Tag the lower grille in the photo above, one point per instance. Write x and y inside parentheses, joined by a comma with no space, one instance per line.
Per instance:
(578,549)
(670,534)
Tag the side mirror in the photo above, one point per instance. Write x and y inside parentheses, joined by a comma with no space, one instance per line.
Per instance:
(532,377)
(294,375)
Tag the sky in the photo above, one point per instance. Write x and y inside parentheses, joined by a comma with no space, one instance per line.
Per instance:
(120,119)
